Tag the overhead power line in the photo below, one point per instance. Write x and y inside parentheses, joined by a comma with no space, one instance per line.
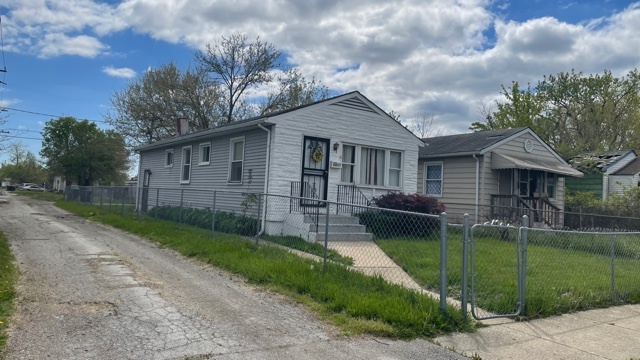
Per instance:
(50,115)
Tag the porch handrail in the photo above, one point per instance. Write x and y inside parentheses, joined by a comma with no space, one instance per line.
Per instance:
(351,195)
(308,193)
(537,208)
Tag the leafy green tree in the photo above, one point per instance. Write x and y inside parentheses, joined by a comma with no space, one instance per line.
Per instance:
(80,150)
(147,108)
(235,66)
(572,112)
(23,166)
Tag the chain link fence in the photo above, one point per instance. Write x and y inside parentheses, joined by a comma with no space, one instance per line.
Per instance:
(500,268)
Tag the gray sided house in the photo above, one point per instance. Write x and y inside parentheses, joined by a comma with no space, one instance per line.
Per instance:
(605,173)
(343,149)
(495,175)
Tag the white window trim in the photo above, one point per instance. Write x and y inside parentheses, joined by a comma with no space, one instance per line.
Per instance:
(232,141)
(182,164)
(200,162)
(424,180)
(387,157)
(173,158)
(401,169)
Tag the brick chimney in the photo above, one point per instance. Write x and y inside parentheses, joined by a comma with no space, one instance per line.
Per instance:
(182,126)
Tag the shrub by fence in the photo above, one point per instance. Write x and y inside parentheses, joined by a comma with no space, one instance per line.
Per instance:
(226,222)
(389,224)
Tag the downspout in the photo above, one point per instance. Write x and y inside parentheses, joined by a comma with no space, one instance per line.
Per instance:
(138,184)
(266,178)
(477,186)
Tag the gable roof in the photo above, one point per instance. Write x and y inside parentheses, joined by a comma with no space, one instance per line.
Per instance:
(632,168)
(353,99)
(466,144)
(598,161)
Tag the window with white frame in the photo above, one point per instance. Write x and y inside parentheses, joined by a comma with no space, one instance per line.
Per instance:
(395,168)
(168,158)
(236,159)
(371,166)
(205,154)
(433,179)
(348,163)
(185,177)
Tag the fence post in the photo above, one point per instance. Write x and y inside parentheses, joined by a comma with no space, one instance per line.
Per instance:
(522,273)
(180,213)
(213,214)
(443,261)
(613,269)
(326,237)
(101,197)
(465,264)
(110,197)
(259,218)
(138,203)
(122,196)
(157,198)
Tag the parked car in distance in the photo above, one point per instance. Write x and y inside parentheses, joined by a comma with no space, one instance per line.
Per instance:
(23,185)
(33,187)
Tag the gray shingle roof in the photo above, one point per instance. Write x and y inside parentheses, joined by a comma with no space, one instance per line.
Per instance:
(465,144)
(631,168)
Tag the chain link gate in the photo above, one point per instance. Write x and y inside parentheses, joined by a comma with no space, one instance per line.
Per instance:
(506,291)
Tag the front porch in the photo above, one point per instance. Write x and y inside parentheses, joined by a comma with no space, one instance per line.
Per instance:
(510,209)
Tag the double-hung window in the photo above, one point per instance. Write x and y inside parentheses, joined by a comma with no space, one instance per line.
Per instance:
(236,159)
(205,154)
(348,163)
(433,179)
(168,158)
(395,168)
(185,176)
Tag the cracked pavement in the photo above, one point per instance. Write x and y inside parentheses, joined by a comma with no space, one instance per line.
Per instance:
(88,291)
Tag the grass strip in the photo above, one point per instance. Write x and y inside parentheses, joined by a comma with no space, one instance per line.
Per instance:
(8,276)
(558,280)
(355,302)
(298,243)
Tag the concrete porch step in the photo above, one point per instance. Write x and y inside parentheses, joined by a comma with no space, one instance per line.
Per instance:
(338,228)
(335,236)
(333,219)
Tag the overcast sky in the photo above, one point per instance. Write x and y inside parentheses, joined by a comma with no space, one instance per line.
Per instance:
(445,58)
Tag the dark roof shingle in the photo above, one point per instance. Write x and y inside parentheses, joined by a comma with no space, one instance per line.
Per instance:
(465,144)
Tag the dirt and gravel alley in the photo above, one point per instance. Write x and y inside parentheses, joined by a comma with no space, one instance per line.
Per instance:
(87,291)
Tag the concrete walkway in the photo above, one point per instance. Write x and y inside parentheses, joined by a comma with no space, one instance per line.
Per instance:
(612,333)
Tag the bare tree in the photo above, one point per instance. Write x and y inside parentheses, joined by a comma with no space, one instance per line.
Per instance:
(145,111)
(17,152)
(293,90)
(236,66)
(424,125)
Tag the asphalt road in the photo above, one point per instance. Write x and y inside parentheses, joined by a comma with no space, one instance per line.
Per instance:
(87,291)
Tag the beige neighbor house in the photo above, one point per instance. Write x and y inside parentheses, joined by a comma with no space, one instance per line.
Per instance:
(495,175)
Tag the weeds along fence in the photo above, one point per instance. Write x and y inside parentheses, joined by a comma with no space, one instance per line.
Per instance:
(500,269)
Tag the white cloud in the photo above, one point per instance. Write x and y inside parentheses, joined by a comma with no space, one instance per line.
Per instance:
(125,73)
(8,102)
(413,56)
(53,45)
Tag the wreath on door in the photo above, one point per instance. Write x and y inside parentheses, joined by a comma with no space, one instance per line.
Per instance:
(316,155)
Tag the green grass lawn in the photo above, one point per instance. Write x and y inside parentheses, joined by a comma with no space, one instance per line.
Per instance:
(355,302)
(48,196)
(560,279)
(8,276)
(298,243)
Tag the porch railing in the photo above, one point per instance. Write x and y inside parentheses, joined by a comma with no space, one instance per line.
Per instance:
(349,195)
(310,204)
(510,208)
